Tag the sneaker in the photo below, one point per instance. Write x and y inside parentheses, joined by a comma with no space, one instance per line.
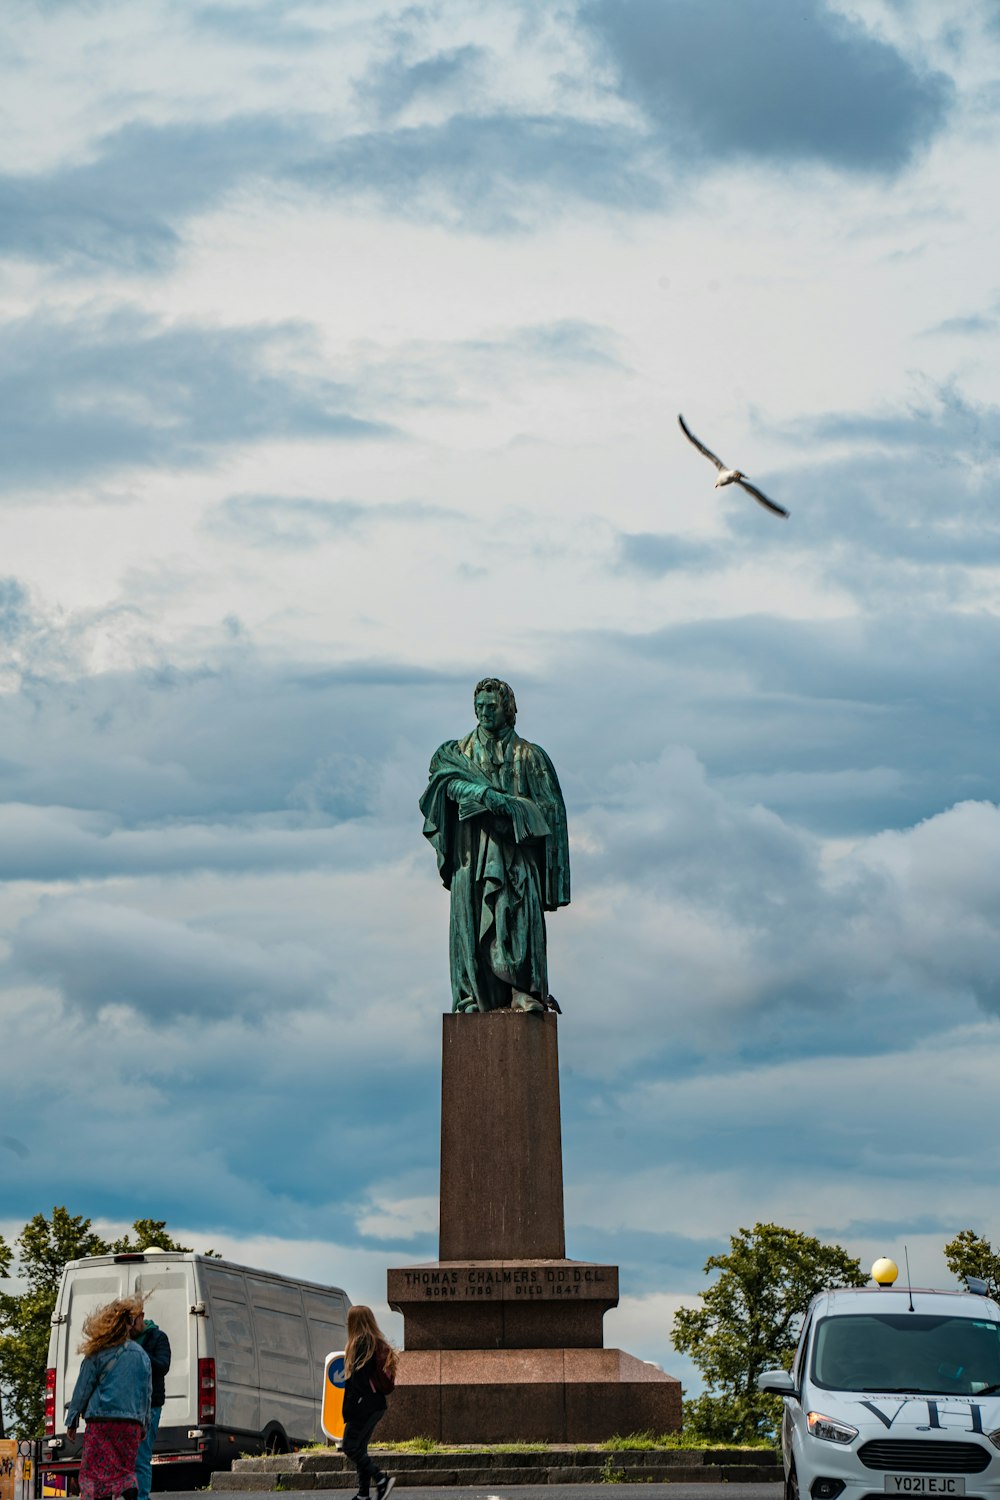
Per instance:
(384,1485)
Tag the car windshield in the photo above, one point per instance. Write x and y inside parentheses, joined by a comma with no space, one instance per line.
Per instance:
(907,1352)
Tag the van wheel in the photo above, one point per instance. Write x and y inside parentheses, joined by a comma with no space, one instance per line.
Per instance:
(275,1440)
(792,1485)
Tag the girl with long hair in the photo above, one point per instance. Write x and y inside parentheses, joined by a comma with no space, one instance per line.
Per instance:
(112,1395)
(370,1374)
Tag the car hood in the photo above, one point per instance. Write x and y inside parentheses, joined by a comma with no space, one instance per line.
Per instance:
(887,1415)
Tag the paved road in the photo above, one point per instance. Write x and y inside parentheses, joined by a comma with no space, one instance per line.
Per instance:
(542,1492)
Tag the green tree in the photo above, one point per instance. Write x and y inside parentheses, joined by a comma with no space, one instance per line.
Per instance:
(749,1321)
(968,1254)
(148,1232)
(5,1261)
(43,1247)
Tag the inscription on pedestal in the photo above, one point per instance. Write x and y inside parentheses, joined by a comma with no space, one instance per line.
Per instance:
(498,1304)
(498,1281)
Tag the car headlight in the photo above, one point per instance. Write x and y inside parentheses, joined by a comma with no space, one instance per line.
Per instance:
(994,1438)
(829,1429)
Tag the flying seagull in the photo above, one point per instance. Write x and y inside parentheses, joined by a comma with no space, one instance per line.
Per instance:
(731,476)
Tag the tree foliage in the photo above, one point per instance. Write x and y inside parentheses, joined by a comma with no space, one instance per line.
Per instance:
(5,1262)
(749,1322)
(968,1254)
(42,1249)
(148,1232)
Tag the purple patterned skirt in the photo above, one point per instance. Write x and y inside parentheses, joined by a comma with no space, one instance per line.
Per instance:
(108,1463)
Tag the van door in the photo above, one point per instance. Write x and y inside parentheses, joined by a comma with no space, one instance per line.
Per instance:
(326,1317)
(230,1340)
(86,1289)
(288,1392)
(169,1289)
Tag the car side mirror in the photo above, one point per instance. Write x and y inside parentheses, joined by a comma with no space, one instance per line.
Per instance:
(777,1383)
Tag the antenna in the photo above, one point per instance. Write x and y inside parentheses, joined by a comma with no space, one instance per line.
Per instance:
(909,1284)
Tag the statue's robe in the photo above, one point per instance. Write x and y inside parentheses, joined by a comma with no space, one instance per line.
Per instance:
(503,872)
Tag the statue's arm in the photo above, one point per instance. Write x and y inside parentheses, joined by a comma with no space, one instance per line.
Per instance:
(461,782)
(475,798)
(461,791)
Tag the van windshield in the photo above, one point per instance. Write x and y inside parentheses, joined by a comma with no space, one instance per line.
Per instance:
(913,1352)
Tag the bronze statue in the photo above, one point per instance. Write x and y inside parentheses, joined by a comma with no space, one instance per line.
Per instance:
(495,815)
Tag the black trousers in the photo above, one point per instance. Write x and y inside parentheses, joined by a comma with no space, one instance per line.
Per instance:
(357,1436)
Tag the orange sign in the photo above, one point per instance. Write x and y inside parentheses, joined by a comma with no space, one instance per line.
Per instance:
(332,1415)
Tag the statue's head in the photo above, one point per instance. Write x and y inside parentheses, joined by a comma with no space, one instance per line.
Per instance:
(494,703)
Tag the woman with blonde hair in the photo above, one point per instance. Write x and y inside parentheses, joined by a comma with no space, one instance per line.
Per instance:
(112,1395)
(369,1376)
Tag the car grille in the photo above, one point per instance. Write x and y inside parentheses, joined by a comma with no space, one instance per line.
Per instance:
(924,1458)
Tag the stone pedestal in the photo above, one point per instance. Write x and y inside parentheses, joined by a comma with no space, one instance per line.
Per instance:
(503,1336)
(501,1138)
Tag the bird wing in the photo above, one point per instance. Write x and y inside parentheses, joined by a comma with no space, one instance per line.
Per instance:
(700,446)
(751,489)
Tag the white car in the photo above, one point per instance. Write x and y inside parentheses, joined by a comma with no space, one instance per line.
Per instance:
(892,1392)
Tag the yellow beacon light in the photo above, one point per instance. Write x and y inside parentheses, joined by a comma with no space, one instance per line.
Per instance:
(884,1271)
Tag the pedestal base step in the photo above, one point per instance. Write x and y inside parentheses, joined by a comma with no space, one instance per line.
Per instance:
(528,1395)
(331,1471)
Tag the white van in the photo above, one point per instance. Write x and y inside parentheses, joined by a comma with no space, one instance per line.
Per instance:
(892,1392)
(247,1354)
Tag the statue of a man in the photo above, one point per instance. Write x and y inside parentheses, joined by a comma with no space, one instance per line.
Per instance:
(495,815)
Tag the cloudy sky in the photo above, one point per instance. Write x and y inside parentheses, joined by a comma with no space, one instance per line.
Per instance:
(342,346)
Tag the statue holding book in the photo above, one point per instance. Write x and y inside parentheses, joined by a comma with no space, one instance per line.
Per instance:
(495,815)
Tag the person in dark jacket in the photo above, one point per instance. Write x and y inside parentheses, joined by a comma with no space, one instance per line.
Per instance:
(157,1348)
(370,1373)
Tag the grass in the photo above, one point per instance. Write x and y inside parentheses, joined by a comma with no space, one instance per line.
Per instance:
(630,1442)
(644,1442)
(519,1447)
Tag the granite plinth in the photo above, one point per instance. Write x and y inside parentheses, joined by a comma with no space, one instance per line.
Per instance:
(503,1335)
(501,1142)
(534,1395)
(524,1304)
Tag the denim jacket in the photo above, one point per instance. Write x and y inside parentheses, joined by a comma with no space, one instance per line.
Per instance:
(114,1384)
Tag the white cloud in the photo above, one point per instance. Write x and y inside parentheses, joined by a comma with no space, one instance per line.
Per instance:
(234,627)
(399,1218)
